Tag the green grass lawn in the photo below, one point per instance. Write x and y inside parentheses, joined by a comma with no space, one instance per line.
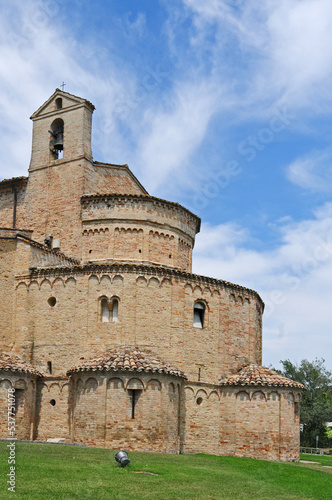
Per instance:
(68,472)
(321,459)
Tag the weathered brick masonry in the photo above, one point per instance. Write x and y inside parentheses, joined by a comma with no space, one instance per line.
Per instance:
(107,336)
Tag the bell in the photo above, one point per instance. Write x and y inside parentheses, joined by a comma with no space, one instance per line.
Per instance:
(58,141)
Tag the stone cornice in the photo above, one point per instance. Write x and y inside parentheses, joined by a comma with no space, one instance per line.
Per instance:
(139,269)
(61,161)
(96,198)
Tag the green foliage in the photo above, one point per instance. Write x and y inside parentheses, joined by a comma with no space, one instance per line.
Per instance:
(316,405)
(59,472)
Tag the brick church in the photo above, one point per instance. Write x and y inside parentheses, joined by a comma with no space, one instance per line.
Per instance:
(106,335)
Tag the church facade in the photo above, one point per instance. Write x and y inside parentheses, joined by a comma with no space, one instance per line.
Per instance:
(106,335)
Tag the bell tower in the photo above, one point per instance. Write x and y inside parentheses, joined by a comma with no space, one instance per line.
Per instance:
(61,131)
(60,159)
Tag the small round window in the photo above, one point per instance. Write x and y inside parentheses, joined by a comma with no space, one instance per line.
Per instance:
(53,402)
(51,301)
(199,401)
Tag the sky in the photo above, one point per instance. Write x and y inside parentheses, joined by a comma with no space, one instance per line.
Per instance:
(224,106)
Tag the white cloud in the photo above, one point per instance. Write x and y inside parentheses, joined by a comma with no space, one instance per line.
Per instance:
(294,280)
(221,252)
(300,42)
(169,138)
(245,63)
(313,171)
(283,48)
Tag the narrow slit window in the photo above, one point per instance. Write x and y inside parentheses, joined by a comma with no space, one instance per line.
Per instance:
(105,312)
(134,394)
(199,311)
(133,401)
(49,367)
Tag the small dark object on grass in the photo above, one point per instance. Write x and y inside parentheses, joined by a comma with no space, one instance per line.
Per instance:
(122,458)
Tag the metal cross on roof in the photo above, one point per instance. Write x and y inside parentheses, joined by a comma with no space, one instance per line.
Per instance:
(63,86)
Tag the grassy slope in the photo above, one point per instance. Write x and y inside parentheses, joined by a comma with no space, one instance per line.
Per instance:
(68,472)
(321,459)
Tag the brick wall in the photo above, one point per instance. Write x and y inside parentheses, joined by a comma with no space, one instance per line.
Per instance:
(7,295)
(52,205)
(143,229)
(200,419)
(52,415)
(7,201)
(25,399)
(254,422)
(155,311)
(169,415)
(103,415)
(105,178)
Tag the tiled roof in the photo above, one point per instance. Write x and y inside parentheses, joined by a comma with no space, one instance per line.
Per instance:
(127,358)
(13,180)
(13,363)
(256,375)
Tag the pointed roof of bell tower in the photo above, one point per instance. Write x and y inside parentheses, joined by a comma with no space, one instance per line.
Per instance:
(68,101)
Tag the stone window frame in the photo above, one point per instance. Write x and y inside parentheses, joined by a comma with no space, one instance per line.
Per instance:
(109,309)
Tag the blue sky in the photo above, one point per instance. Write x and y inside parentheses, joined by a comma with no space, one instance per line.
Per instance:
(224,106)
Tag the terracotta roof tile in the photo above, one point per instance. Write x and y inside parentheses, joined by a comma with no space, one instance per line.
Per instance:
(257,375)
(14,180)
(13,363)
(127,358)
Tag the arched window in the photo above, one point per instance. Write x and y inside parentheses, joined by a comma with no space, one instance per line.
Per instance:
(105,312)
(109,310)
(199,311)
(58,103)
(115,310)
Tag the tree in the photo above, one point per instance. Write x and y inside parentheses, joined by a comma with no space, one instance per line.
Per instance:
(316,404)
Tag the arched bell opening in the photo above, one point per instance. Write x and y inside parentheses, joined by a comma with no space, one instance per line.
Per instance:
(56,139)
